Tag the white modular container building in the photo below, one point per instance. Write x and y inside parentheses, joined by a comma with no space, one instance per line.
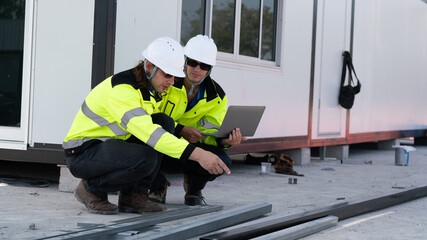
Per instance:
(283,54)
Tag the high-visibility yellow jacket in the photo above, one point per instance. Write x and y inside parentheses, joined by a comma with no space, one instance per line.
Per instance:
(207,115)
(117,108)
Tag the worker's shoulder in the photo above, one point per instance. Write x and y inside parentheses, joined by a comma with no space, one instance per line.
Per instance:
(178,84)
(212,85)
(125,77)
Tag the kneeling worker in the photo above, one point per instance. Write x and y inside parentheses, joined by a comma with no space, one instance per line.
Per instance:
(198,105)
(118,138)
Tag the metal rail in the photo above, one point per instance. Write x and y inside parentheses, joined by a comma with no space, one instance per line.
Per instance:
(100,230)
(342,211)
(205,224)
(301,230)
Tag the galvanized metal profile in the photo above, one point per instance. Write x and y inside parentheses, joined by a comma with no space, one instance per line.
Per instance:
(253,224)
(342,211)
(101,230)
(301,230)
(205,224)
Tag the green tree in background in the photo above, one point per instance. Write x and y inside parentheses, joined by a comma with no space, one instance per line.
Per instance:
(223,29)
(223,26)
(249,31)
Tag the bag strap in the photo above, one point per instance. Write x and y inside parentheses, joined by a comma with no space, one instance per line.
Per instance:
(344,65)
(347,62)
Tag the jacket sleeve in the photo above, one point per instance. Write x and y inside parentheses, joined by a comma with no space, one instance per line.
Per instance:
(212,121)
(126,106)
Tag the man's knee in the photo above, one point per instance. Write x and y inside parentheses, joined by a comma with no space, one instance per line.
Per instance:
(146,160)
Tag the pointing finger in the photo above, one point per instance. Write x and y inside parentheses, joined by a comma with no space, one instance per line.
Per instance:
(224,167)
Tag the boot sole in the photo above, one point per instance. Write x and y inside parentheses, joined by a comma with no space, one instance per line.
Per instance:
(76,195)
(163,201)
(194,202)
(129,210)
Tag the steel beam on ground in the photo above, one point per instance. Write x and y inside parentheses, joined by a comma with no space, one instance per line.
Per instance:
(342,211)
(205,224)
(123,225)
(301,230)
(254,223)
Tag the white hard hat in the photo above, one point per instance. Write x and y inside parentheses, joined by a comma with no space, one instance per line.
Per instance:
(201,48)
(167,54)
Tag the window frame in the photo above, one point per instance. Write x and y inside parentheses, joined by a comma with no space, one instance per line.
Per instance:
(235,60)
(236,57)
(18,138)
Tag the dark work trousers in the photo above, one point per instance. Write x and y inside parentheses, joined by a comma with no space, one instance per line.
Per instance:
(197,176)
(115,164)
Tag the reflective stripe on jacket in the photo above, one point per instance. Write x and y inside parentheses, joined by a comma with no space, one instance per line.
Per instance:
(117,108)
(207,115)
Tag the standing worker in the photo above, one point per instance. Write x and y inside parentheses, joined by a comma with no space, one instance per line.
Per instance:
(118,138)
(197,104)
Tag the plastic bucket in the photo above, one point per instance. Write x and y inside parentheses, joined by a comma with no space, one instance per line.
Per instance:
(265,168)
(401,157)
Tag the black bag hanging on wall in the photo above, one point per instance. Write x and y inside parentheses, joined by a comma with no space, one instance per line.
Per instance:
(348,92)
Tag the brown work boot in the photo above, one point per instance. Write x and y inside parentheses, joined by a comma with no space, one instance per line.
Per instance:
(94,204)
(192,198)
(159,196)
(131,201)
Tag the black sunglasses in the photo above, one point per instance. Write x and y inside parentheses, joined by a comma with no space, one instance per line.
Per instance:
(194,63)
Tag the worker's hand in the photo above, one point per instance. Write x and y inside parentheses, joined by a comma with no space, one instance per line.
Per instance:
(191,134)
(235,138)
(209,161)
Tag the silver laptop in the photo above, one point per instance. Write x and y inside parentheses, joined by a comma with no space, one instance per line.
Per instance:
(246,118)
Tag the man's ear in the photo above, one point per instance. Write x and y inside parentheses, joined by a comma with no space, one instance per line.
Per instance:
(149,67)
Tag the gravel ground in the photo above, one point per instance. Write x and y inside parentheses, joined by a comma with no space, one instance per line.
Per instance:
(28,212)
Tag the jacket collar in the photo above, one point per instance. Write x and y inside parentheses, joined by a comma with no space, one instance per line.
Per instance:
(210,86)
(127,77)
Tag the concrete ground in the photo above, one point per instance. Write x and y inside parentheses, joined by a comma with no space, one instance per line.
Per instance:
(31,212)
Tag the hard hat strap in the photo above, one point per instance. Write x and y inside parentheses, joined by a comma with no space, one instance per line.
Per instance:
(152,73)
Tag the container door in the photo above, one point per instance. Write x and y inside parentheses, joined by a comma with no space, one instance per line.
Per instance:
(332,38)
(15,58)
